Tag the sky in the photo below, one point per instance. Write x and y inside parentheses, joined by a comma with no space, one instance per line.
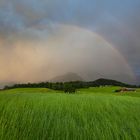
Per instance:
(93,38)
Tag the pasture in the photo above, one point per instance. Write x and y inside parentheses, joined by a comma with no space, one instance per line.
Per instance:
(90,114)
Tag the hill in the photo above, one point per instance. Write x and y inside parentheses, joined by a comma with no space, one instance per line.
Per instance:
(104,82)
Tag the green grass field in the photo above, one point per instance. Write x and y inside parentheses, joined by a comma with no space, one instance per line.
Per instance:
(90,114)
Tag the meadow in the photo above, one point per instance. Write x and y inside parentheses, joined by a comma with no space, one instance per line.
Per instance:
(90,114)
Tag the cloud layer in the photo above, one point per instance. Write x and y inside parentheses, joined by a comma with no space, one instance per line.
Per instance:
(42,39)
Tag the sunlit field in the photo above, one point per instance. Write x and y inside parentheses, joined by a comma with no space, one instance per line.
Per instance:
(89,114)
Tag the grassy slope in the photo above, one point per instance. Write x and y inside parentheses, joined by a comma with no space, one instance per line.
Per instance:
(31,114)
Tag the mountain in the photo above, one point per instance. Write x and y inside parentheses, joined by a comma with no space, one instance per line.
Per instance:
(67,77)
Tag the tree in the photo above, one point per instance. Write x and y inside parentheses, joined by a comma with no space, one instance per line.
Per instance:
(69,88)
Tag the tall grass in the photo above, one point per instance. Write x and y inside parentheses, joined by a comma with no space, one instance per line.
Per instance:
(40,115)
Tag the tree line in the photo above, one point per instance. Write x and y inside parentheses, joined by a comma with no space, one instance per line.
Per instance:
(71,87)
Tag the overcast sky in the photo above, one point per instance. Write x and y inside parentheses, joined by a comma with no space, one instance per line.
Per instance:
(41,39)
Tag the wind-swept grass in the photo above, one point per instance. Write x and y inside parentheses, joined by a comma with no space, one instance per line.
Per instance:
(43,114)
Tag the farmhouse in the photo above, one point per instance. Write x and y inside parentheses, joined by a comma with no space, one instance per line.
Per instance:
(126,90)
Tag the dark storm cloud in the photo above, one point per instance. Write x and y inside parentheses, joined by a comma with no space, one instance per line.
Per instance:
(123,31)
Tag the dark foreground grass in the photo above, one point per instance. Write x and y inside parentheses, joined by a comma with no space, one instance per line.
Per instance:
(42,114)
